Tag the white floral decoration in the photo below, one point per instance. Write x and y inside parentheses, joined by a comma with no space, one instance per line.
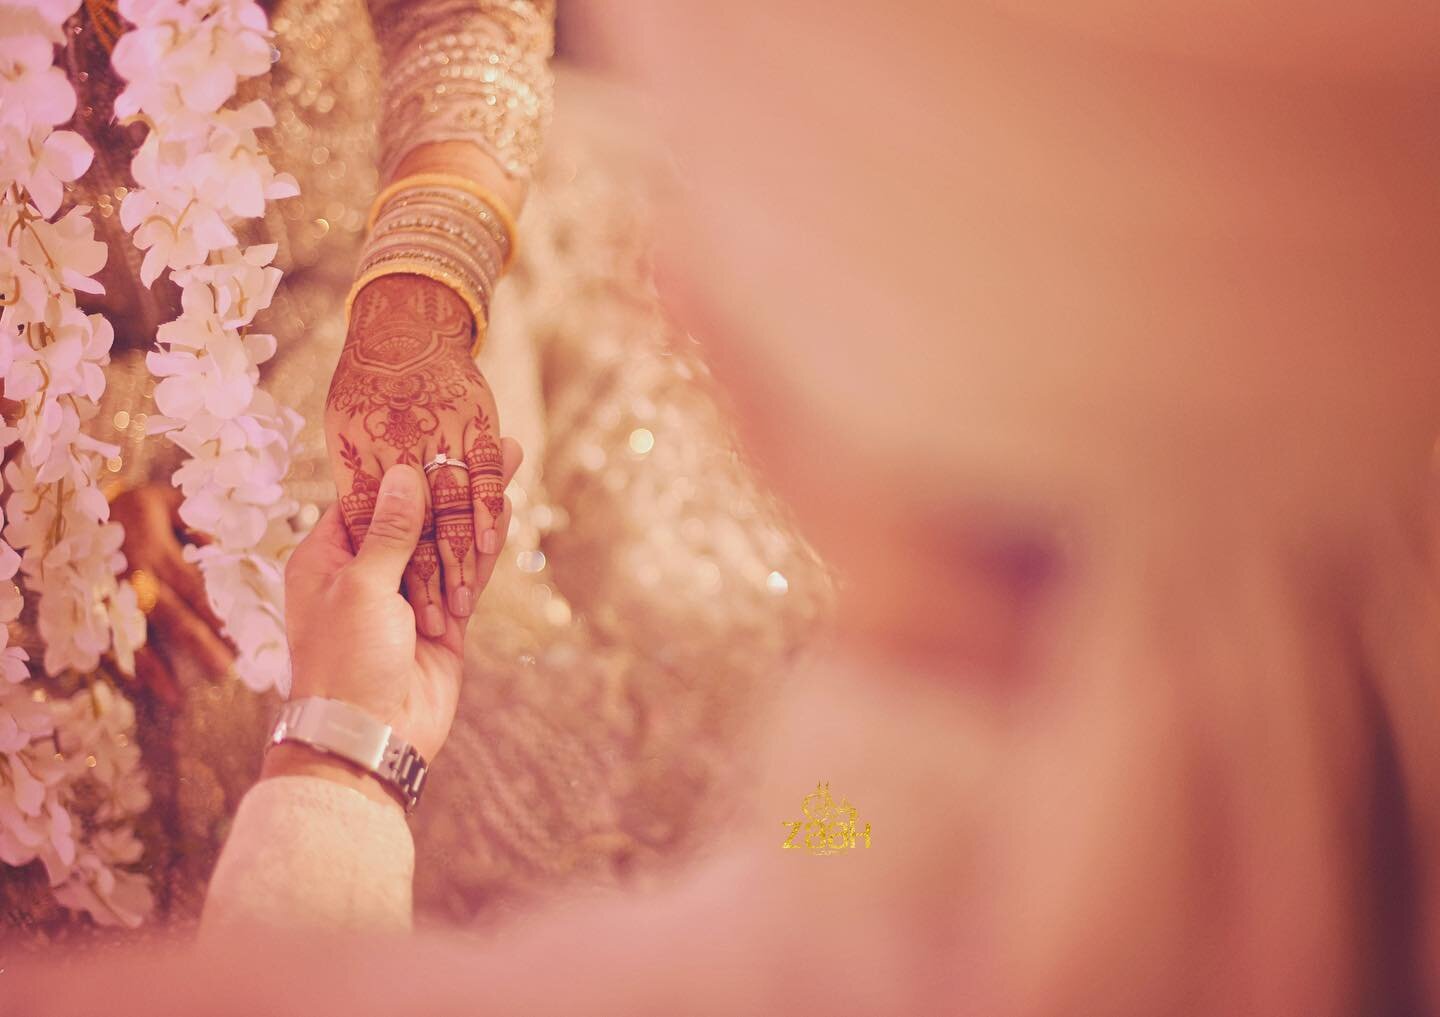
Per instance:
(199,173)
(70,780)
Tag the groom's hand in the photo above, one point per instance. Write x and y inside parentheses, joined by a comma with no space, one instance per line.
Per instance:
(353,636)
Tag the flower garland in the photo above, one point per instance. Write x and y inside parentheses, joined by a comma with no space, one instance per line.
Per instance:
(70,778)
(70,782)
(199,172)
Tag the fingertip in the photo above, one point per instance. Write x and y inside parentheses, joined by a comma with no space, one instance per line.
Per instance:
(512,454)
(495,538)
(401,481)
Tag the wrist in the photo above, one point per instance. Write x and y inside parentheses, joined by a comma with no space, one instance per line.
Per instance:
(465,159)
(296,759)
(347,744)
(392,297)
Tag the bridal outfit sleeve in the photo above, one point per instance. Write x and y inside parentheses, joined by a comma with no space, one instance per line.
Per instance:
(466,95)
(476,71)
(304,852)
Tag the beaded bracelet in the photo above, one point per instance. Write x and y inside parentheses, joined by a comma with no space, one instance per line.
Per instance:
(488,208)
(445,228)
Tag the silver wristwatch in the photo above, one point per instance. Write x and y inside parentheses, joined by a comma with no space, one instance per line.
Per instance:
(352,734)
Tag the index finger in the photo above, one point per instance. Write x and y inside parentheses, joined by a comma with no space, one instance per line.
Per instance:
(324,552)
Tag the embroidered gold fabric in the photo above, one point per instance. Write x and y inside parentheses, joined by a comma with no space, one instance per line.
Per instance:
(636,620)
(475,70)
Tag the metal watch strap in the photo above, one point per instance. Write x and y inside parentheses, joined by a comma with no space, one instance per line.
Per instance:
(350,733)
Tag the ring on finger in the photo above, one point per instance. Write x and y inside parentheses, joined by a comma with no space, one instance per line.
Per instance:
(440,461)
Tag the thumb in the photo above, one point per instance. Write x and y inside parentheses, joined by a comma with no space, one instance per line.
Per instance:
(394,528)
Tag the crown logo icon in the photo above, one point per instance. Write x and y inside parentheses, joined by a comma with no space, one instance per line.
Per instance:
(829,826)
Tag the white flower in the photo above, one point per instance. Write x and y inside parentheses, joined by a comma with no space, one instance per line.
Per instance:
(70,782)
(257,623)
(23,718)
(232,289)
(95,724)
(36,92)
(127,624)
(10,599)
(70,776)
(26,287)
(41,161)
(186,59)
(13,667)
(35,17)
(109,895)
(67,248)
(171,224)
(33,822)
(201,171)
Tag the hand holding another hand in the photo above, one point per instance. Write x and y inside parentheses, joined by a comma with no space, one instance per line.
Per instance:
(353,635)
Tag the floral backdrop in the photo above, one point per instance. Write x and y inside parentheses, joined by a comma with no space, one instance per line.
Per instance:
(71,785)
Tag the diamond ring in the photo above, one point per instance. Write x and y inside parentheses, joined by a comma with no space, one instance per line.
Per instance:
(441,459)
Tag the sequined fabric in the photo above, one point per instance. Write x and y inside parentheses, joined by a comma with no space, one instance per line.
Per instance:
(473,70)
(650,593)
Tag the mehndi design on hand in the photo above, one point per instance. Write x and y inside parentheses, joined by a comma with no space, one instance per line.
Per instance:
(454,514)
(357,507)
(405,390)
(483,459)
(398,372)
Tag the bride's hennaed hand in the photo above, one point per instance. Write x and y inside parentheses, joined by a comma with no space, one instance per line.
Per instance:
(407,390)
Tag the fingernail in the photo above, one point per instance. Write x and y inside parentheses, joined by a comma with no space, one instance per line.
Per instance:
(462,601)
(434,621)
(398,482)
(490,541)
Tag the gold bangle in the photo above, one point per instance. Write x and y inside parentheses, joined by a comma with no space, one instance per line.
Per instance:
(451,282)
(459,183)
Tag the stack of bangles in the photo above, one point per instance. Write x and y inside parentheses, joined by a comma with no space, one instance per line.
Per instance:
(446,228)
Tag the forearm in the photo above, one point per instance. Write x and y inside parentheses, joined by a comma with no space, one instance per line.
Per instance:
(313,850)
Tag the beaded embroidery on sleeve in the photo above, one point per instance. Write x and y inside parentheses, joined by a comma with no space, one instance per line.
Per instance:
(468,70)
